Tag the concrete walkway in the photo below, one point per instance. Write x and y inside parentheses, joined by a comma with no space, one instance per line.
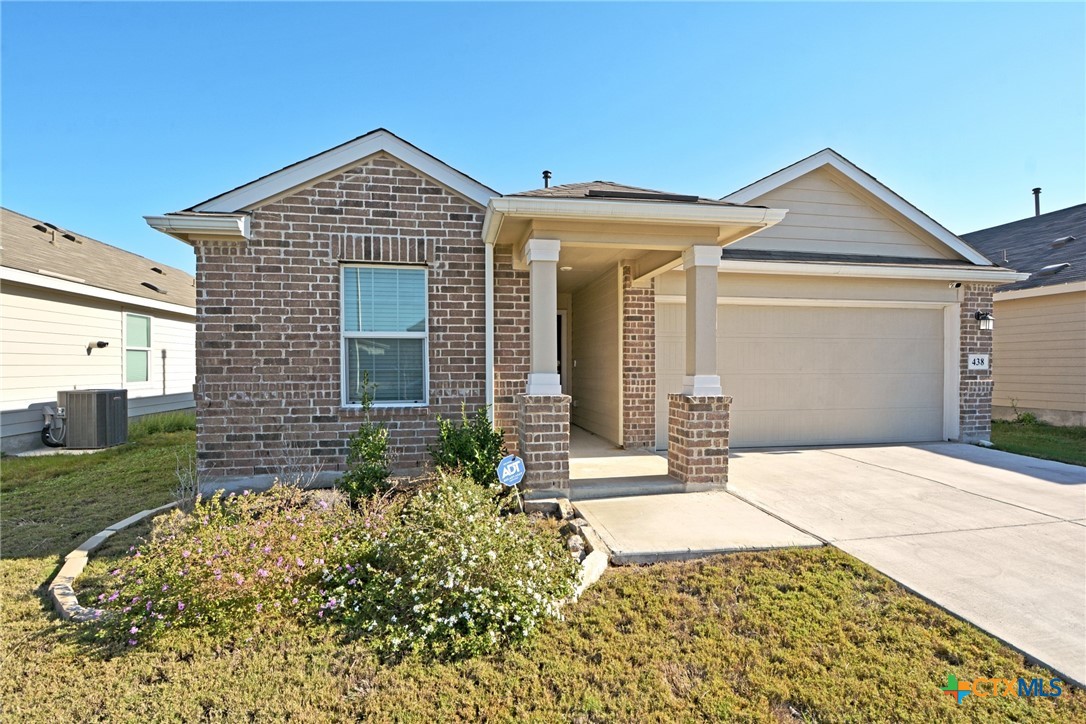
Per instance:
(647,529)
(997,539)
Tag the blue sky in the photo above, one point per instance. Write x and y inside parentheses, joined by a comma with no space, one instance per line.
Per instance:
(116,110)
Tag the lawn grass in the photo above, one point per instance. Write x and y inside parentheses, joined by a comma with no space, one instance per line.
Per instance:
(1036,439)
(769,636)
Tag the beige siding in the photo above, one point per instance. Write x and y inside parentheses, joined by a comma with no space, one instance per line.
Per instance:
(1039,355)
(764,286)
(826,216)
(44,346)
(595,354)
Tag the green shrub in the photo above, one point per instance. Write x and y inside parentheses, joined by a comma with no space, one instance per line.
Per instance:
(1026,418)
(176,421)
(453,577)
(232,561)
(473,447)
(369,463)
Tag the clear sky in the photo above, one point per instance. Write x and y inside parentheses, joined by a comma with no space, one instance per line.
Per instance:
(112,111)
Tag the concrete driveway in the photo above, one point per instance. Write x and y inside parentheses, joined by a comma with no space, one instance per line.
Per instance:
(997,539)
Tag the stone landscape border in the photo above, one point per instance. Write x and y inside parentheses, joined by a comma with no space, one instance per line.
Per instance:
(60,589)
(68,607)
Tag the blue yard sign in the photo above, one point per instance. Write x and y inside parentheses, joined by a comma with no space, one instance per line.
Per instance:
(511,470)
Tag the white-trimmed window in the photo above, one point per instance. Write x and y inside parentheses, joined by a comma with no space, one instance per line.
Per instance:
(137,348)
(384,334)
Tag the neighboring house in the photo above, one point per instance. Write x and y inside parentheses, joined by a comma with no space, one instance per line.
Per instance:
(836,313)
(62,295)
(1040,325)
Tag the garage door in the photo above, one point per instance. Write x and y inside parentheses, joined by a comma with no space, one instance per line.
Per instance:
(816,375)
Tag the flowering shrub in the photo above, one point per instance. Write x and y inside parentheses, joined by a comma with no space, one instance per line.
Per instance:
(231,561)
(453,577)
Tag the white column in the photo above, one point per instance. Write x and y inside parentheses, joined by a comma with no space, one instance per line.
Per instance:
(701,264)
(541,256)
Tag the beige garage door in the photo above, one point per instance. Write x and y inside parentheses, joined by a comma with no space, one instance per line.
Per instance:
(816,375)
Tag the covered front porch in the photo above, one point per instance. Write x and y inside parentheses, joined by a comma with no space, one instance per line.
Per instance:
(585,418)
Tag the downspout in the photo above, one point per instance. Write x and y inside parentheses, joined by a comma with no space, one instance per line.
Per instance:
(488,295)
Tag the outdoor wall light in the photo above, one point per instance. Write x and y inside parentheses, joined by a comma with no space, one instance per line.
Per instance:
(987,321)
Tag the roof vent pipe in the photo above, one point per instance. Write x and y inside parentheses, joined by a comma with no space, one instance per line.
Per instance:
(1037,201)
(546,179)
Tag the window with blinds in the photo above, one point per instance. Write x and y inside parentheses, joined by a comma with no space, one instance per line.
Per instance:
(384,334)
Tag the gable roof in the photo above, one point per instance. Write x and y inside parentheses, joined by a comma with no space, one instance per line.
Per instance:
(829,157)
(1029,245)
(343,156)
(67,256)
(614,191)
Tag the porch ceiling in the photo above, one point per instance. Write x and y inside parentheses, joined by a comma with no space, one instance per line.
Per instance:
(598,233)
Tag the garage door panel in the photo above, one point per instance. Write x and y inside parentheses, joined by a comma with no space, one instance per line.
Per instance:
(817,375)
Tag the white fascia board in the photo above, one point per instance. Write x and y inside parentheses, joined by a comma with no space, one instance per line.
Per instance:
(19,276)
(1044,291)
(183,227)
(299,174)
(829,157)
(541,207)
(960,274)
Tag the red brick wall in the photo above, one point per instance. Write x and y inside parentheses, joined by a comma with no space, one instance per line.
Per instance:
(975,386)
(697,430)
(268,327)
(512,342)
(638,364)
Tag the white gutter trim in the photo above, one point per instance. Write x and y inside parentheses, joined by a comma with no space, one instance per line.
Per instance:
(19,276)
(538,207)
(181,226)
(252,194)
(488,305)
(1067,288)
(963,274)
(829,157)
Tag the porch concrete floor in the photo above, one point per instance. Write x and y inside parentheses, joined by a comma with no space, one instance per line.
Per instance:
(600,469)
(647,529)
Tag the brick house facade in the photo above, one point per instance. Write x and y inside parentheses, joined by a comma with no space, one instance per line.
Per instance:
(273,388)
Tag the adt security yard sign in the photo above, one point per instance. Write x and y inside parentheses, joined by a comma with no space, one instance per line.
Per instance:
(511,470)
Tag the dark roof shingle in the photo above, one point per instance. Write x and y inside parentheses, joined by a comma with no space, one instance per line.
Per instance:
(74,257)
(1027,246)
(582,191)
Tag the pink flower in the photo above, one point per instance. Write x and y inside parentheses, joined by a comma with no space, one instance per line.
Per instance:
(134,630)
(300,562)
(262,573)
(180,606)
(131,642)
(185,554)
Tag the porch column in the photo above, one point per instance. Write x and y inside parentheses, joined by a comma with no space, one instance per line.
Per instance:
(541,256)
(543,419)
(702,264)
(699,418)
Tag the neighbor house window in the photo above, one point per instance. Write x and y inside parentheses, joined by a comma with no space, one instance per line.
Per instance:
(137,348)
(384,334)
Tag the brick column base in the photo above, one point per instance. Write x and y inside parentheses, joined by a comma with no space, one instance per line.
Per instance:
(543,435)
(697,435)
